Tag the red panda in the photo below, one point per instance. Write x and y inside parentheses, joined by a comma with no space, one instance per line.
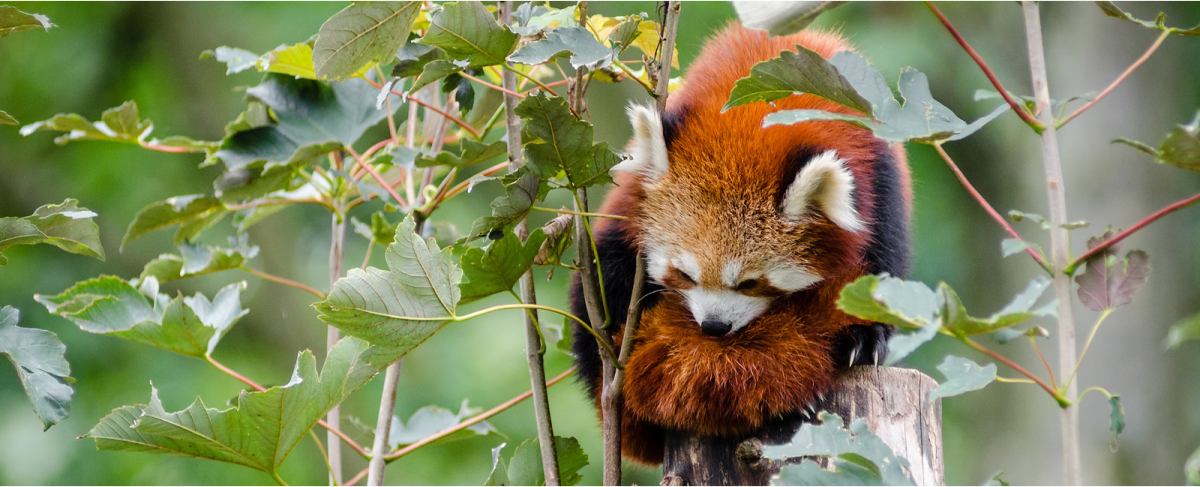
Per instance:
(749,234)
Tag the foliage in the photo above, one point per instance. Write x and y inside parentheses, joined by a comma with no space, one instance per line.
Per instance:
(856,455)
(525,466)
(38,357)
(65,225)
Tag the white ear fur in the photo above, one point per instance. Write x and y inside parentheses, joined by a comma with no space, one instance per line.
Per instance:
(649,148)
(827,184)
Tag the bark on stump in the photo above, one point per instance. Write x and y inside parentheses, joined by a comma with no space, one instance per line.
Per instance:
(892,400)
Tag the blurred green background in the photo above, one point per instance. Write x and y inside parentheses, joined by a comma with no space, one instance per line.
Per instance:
(102,54)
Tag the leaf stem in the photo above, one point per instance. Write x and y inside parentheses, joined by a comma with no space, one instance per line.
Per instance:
(1090,389)
(1014,381)
(367,258)
(1033,341)
(278,479)
(640,81)
(1128,71)
(1062,401)
(253,204)
(1041,260)
(528,77)
(337,246)
(577,213)
(492,86)
(1017,107)
(1178,205)
(441,112)
(164,148)
(320,448)
(286,282)
(379,178)
(1088,343)
(607,348)
(460,187)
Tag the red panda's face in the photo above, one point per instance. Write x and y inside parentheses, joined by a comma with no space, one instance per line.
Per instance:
(732,249)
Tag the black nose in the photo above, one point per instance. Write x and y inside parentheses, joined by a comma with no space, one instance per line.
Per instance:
(715,328)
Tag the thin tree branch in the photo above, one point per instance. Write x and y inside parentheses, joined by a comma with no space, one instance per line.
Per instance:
(988,207)
(1153,47)
(1033,341)
(1178,205)
(528,77)
(1016,106)
(466,126)
(337,243)
(378,178)
(286,282)
(383,424)
(1021,370)
(492,86)
(569,212)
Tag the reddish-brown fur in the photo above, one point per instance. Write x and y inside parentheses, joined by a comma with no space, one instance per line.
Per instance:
(678,377)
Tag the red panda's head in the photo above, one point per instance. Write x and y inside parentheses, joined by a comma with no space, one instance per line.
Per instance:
(732,241)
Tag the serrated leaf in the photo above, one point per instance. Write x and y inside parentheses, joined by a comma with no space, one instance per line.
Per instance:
(198,260)
(901,345)
(189,326)
(499,267)
(499,475)
(957,321)
(1013,246)
(853,451)
(360,34)
(397,309)
(1186,329)
(13,20)
(119,124)
(259,432)
(37,356)
(802,71)
(507,210)
(581,45)
(430,420)
(236,59)
(193,213)
(379,230)
(65,225)
(1180,148)
(466,30)
(809,473)
(555,140)
(886,299)
(435,70)
(1110,9)
(781,18)
(536,18)
(314,118)
(525,467)
(471,153)
(623,34)
(962,375)
(1109,281)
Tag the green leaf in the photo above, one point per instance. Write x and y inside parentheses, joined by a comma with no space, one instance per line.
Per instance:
(314,118)
(1110,281)
(197,260)
(859,456)
(962,375)
(1013,246)
(559,236)
(499,267)
(525,467)
(44,373)
(7,119)
(362,33)
(582,46)
(193,214)
(532,20)
(259,432)
(803,71)
(189,326)
(65,225)
(1116,416)
(625,33)
(380,230)
(1187,329)
(886,299)
(436,70)
(901,345)
(781,18)
(809,473)
(472,153)
(499,475)
(236,60)
(957,321)
(397,309)
(1180,148)
(120,124)
(466,30)
(430,420)
(13,20)
(1018,215)
(997,480)
(1192,468)
(1110,9)
(555,140)
(507,210)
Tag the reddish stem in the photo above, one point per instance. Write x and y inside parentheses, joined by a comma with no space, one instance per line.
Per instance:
(460,187)
(988,207)
(1070,269)
(443,113)
(163,148)
(1021,370)
(354,480)
(1153,47)
(549,85)
(1043,357)
(286,282)
(1017,107)
(489,85)
(377,176)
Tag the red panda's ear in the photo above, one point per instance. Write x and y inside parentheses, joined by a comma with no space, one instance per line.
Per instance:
(649,147)
(823,184)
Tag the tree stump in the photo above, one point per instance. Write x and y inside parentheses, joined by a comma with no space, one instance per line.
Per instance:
(891,400)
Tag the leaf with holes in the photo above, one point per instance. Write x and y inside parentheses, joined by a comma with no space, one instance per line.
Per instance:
(555,140)
(1110,281)
(497,268)
(857,454)
(1180,148)
(362,33)
(43,371)
(198,260)
(13,20)
(259,432)
(891,300)
(397,309)
(957,321)
(507,210)
(466,30)
(65,225)
(962,375)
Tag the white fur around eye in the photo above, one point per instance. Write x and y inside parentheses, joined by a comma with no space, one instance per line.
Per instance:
(826,184)
(656,264)
(649,148)
(792,278)
(731,272)
(687,263)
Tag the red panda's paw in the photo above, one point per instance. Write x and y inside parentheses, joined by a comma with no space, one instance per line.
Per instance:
(863,345)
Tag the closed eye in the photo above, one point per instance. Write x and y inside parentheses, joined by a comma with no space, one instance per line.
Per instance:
(747,284)
(686,277)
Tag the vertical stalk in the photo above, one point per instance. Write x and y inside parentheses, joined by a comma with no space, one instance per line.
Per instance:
(336,242)
(1060,243)
(383,425)
(533,337)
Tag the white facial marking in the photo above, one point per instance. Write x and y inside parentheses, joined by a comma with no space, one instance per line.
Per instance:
(792,278)
(827,184)
(731,272)
(656,264)
(649,148)
(687,263)
(723,305)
